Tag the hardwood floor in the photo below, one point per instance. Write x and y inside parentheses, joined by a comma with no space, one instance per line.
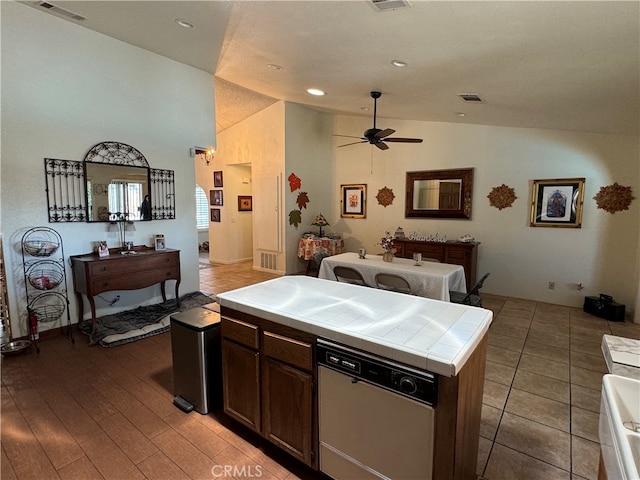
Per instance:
(80,412)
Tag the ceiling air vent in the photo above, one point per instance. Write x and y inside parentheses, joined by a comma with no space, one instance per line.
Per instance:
(60,11)
(470,97)
(386,5)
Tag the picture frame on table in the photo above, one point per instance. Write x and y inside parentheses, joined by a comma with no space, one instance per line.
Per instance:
(557,203)
(159,243)
(215,197)
(245,203)
(215,215)
(217,178)
(353,201)
(102,249)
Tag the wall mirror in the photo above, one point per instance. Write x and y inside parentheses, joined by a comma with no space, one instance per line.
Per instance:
(439,194)
(117,188)
(114,178)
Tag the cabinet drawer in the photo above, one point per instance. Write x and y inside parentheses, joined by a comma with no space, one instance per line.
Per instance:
(104,283)
(243,333)
(296,353)
(121,266)
(459,254)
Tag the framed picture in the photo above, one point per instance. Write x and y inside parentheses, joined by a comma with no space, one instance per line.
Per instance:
(159,243)
(217,178)
(215,214)
(215,197)
(557,203)
(353,201)
(245,203)
(102,249)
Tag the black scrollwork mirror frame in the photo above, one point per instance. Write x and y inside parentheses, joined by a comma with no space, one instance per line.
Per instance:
(463,175)
(66,183)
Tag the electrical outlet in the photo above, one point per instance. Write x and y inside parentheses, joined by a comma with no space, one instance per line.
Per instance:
(552,285)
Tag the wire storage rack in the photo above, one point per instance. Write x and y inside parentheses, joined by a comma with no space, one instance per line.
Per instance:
(45,280)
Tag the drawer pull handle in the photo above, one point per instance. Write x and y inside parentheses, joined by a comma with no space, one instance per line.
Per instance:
(104,269)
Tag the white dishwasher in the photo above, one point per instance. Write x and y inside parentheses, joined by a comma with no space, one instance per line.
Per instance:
(376,417)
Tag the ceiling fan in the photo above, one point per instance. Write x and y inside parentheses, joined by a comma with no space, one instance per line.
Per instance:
(378,137)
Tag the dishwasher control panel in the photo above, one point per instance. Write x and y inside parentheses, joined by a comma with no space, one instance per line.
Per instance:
(402,379)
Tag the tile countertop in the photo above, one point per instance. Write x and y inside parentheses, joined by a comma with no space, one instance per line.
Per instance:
(426,334)
(622,355)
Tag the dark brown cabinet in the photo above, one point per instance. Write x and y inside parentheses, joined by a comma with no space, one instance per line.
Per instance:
(93,274)
(457,253)
(268,385)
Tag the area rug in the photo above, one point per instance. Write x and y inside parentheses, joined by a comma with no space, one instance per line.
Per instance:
(142,322)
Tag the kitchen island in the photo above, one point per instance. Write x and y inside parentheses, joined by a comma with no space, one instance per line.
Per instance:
(270,332)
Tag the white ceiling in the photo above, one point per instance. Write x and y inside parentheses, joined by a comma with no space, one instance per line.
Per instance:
(561,65)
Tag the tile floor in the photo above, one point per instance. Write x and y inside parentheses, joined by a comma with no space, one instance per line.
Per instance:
(82,412)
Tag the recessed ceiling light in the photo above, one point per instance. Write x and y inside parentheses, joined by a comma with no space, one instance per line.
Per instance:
(461,114)
(273,66)
(315,91)
(398,63)
(184,23)
(366,109)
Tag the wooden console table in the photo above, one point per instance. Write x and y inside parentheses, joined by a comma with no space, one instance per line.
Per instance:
(457,253)
(93,274)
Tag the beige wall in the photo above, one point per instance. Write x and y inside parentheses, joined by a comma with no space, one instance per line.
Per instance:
(602,255)
(65,89)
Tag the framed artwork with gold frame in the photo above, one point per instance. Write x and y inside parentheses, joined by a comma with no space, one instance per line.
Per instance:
(557,203)
(353,201)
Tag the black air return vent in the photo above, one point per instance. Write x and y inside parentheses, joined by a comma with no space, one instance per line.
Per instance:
(470,97)
(61,11)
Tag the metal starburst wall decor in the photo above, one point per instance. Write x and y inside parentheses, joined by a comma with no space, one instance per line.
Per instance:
(614,198)
(501,197)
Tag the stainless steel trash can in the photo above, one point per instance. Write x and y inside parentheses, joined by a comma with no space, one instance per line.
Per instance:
(197,360)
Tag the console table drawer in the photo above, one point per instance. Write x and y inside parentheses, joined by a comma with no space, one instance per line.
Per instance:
(133,282)
(122,266)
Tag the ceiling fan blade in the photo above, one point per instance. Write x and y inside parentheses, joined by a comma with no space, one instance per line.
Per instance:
(382,146)
(384,133)
(403,140)
(347,136)
(352,143)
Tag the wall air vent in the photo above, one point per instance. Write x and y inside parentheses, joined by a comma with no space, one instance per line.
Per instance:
(60,11)
(386,5)
(470,97)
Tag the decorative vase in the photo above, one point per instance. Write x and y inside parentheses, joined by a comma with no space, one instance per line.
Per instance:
(387,256)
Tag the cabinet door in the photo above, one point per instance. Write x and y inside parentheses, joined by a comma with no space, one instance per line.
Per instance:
(241,383)
(288,409)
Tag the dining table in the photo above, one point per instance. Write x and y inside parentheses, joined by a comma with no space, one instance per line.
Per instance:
(427,279)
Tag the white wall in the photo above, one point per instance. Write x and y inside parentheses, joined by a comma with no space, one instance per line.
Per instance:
(65,89)
(602,255)
(259,142)
(309,157)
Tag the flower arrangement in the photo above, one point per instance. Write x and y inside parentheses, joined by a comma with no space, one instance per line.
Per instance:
(386,243)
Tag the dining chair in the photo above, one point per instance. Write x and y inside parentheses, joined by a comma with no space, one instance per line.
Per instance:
(471,298)
(349,275)
(395,283)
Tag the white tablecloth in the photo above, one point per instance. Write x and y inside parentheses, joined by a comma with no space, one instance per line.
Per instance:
(430,279)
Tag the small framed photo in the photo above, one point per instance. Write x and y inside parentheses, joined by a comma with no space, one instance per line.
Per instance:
(245,203)
(353,201)
(557,203)
(215,197)
(159,243)
(215,214)
(102,248)
(217,178)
